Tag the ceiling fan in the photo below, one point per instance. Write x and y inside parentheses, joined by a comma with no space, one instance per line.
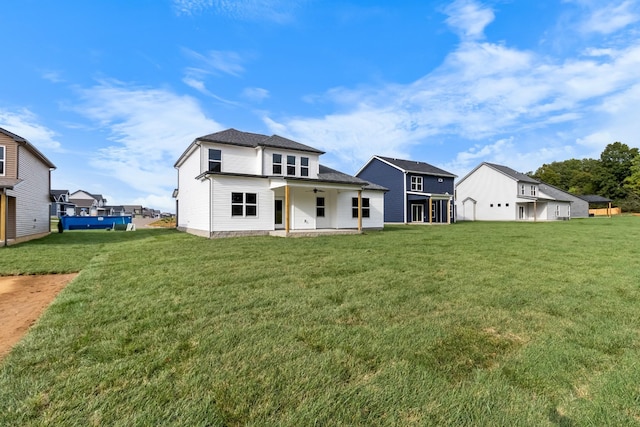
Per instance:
(316,190)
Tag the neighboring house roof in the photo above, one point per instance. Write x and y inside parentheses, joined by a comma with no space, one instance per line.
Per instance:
(247,139)
(29,147)
(558,193)
(327,174)
(415,166)
(511,173)
(594,198)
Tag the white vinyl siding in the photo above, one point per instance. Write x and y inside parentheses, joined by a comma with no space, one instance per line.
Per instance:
(488,187)
(221,189)
(313,162)
(193,198)
(242,160)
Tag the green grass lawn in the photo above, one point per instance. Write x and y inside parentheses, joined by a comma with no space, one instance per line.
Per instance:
(499,324)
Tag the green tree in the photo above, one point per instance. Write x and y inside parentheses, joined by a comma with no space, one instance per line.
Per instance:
(632,182)
(616,161)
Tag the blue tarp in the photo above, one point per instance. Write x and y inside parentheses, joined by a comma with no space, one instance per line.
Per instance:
(92,222)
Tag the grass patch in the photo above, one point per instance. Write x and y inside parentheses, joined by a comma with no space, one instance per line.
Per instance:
(470,324)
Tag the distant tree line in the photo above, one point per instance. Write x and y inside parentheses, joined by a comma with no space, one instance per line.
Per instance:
(616,175)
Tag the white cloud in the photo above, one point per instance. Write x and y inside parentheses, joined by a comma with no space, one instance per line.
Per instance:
(149,127)
(608,18)
(482,92)
(216,61)
(255,94)
(25,124)
(279,11)
(468,18)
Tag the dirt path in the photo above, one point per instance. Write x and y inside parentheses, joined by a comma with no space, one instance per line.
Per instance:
(22,301)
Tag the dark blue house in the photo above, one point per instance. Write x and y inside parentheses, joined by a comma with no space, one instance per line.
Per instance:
(418,191)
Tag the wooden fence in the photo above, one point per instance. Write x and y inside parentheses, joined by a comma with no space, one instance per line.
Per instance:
(605,211)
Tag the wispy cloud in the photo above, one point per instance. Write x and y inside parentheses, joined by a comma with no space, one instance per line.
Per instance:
(468,18)
(149,128)
(608,17)
(26,124)
(498,98)
(279,11)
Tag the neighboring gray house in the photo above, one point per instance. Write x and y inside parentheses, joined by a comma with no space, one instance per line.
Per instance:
(579,206)
(25,190)
(60,204)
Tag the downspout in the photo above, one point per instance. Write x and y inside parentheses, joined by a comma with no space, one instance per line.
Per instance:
(404,195)
(359,210)
(3,217)
(210,206)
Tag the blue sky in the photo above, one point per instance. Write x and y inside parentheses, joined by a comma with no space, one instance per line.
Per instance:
(112,92)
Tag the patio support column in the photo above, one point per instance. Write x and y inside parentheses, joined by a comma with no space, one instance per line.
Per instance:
(535,211)
(448,211)
(430,210)
(286,209)
(609,210)
(359,210)
(3,217)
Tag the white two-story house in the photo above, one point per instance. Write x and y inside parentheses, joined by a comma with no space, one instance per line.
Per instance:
(493,192)
(241,183)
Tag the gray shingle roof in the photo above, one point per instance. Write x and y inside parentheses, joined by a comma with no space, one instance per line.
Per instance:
(331,175)
(29,147)
(512,173)
(248,139)
(419,167)
(594,198)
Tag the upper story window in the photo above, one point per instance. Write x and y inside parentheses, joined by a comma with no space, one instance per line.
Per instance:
(215,160)
(277,164)
(416,183)
(291,165)
(2,157)
(304,166)
(522,189)
(533,190)
(365,207)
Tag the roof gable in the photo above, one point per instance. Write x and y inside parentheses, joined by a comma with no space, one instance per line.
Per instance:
(22,141)
(415,166)
(248,139)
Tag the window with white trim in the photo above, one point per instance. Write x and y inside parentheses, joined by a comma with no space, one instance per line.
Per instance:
(277,164)
(291,165)
(304,166)
(215,160)
(365,207)
(320,207)
(244,204)
(522,189)
(2,159)
(533,190)
(416,183)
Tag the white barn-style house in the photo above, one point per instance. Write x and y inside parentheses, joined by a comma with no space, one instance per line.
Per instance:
(492,192)
(239,183)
